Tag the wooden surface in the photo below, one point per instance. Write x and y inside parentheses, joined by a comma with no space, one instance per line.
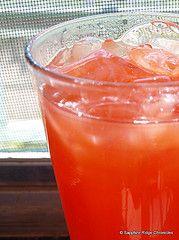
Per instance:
(35,238)
(29,200)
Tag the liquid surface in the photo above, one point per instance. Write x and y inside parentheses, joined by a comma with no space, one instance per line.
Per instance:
(116,62)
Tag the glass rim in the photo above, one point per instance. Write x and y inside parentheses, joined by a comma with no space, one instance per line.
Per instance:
(59,76)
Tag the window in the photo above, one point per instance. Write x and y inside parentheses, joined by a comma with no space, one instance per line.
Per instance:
(28,191)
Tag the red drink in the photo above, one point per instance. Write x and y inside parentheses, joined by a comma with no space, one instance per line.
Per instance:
(115,177)
(115,146)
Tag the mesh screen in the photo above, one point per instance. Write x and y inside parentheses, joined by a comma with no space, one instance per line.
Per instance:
(20,122)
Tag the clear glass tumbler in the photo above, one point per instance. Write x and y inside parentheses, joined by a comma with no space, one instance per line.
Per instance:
(114,146)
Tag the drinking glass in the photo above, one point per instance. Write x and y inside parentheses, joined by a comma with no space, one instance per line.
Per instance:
(114,146)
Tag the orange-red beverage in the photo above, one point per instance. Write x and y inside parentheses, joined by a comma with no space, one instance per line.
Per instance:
(115,176)
(111,119)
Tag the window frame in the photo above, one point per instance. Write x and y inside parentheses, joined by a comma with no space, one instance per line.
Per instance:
(29,199)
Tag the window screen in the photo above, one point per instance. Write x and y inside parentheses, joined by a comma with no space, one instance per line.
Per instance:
(21,126)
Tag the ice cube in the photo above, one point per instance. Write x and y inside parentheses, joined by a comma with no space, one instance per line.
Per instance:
(149,32)
(78,51)
(158,61)
(116,48)
(167,44)
(137,35)
(104,66)
(62,58)
(85,47)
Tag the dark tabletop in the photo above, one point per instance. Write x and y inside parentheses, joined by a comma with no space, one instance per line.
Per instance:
(35,238)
